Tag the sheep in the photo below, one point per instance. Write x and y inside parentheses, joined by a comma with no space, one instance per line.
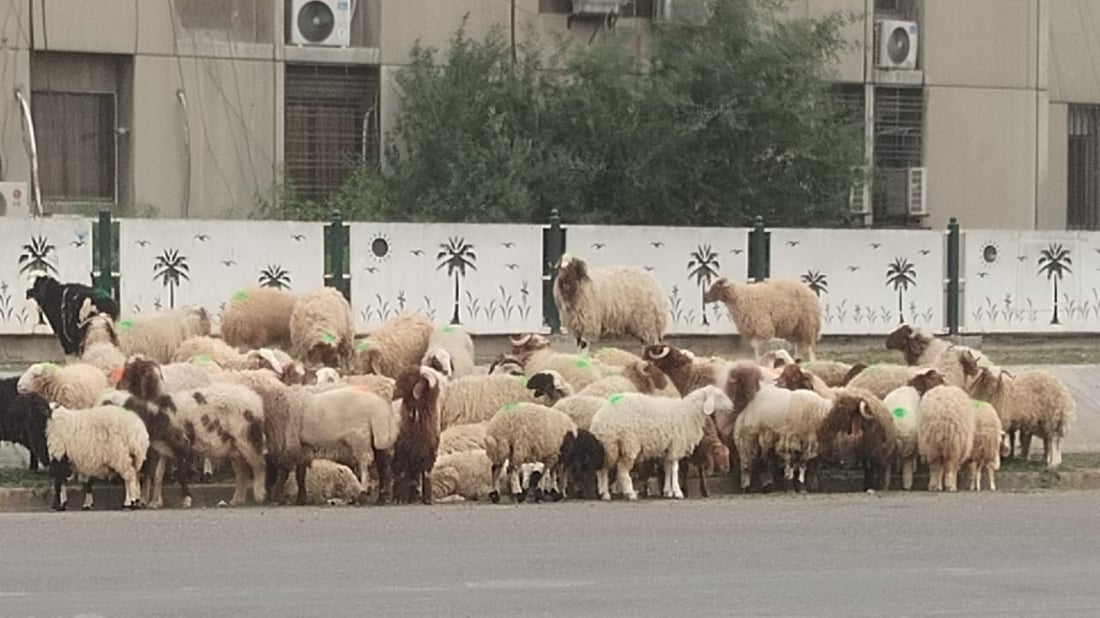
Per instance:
(832,373)
(382,385)
(985,455)
(580,408)
(945,434)
(96,442)
(685,371)
(417,399)
(535,353)
(459,438)
(1034,402)
(450,352)
(322,329)
(580,457)
(15,411)
(633,427)
(904,406)
(257,318)
(782,308)
(61,303)
(477,398)
(462,475)
(330,483)
(157,335)
(607,302)
(709,455)
(395,346)
(793,377)
(75,386)
(881,379)
(614,357)
(640,376)
(925,349)
(99,346)
(860,414)
(522,433)
(505,364)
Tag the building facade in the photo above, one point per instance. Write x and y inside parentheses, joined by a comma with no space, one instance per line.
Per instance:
(200,108)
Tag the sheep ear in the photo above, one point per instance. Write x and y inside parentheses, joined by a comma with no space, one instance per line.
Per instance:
(708,403)
(418,390)
(865,410)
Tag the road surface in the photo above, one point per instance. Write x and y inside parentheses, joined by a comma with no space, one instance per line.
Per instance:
(827,555)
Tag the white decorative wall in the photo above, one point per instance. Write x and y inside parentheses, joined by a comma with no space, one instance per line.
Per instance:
(1010,277)
(177,263)
(57,246)
(685,261)
(490,274)
(862,276)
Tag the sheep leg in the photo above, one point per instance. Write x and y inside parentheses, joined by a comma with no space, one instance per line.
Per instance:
(666,481)
(89,496)
(382,469)
(975,476)
(677,491)
(602,484)
(802,477)
(255,462)
(59,471)
(935,476)
(184,481)
(950,477)
(1011,444)
(426,487)
(1048,451)
(494,475)
(755,345)
(1056,459)
(991,475)
(907,466)
(514,484)
(147,470)
(207,470)
(1025,445)
(300,479)
(704,490)
(133,489)
(240,489)
(156,496)
(883,482)
(625,482)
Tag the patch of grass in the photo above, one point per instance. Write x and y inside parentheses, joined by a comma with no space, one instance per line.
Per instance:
(22,477)
(1035,463)
(1054,353)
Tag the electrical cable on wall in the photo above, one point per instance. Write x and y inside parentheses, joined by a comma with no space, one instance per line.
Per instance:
(182,98)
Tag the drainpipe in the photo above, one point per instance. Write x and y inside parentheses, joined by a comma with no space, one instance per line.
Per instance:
(28,125)
(182,98)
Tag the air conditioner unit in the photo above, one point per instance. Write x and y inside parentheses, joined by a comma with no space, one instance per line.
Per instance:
(605,11)
(896,44)
(13,200)
(916,183)
(859,196)
(320,23)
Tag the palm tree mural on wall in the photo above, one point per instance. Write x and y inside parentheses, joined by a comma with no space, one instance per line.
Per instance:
(817,281)
(456,255)
(1054,262)
(274,276)
(35,259)
(171,268)
(703,267)
(900,274)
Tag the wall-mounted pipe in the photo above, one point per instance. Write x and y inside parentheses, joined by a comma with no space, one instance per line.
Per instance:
(182,98)
(32,141)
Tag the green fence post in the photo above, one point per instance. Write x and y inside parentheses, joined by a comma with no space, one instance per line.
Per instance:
(553,247)
(336,245)
(759,251)
(105,232)
(953,256)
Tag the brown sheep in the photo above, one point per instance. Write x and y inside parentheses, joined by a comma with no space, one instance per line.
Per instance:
(709,455)
(414,451)
(686,373)
(861,415)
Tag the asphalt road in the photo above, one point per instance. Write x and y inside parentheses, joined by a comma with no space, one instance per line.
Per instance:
(826,555)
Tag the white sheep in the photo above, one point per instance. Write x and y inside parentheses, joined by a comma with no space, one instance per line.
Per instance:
(96,442)
(100,344)
(640,376)
(450,352)
(925,349)
(395,346)
(535,353)
(464,475)
(322,328)
(882,378)
(945,434)
(985,455)
(330,483)
(257,318)
(607,302)
(614,357)
(832,373)
(522,433)
(782,308)
(459,438)
(904,406)
(76,386)
(477,398)
(157,335)
(633,427)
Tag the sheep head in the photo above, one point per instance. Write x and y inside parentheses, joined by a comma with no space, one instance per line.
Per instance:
(572,273)
(927,380)
(41,288)
(793,378)
(847,416)
(856,369)
(324,354)
(31,380)
(912,343)
(263,359)
(645,376)
(98,328)
(719,456)
(714,400)
(987,383)
(970,364)
(549,385)
(419,390)
(142,377)
(776,359)
(667,358)
(506,365)
(523,346)
(721,290)
(326,375)
(440,360)
(742,385)
(368,357)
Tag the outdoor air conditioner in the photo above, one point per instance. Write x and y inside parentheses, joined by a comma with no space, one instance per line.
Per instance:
(896,44)
(859,196)
(605,11)
(320,22)
(916,183)
(13,200)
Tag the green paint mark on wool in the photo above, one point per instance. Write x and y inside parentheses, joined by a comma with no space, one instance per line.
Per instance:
(126,324)
(616,399)
(202,359)
(582,363)
(240,295)
(362,345)
(976,403)
(447,329)
(899,413)
(510,406)
(522,381)
(328,338)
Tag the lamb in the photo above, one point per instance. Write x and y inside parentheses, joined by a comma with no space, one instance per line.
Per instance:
(15,414)
(881,379)
(1034,402)
(607,302)
(521,433)
(535,353)
(61,304)
(75,387)
(322,329)
(945,434)
(157,335)
(395,346)
(460,438)
(633,427)
(97,442)
(685,371)
(477,398)
(782,308)
(860,414)
(450,352)
(417,399)
(330,483)
(257,318)
(463,475)
(985,455)
(904,406)
(924,349)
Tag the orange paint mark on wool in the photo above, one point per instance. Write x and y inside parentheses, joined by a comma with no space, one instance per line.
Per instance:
(115,376)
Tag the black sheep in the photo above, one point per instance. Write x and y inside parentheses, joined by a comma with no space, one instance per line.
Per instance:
(15,420)
(580,457)
(61,303)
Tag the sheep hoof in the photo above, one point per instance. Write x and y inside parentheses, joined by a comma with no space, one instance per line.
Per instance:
(363,498)
(135,505)
(85,508)
(555,495)
(494,497)
(539,496)
(59,507)
(520,497)
(186,504)
(207,477)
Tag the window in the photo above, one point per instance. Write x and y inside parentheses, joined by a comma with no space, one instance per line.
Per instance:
(628,8)
(900,9)
(76,144)
(555,6)
(331,125)
(899,127)
(1083,168)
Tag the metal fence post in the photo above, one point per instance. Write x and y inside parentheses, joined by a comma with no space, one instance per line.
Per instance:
(759,251)
(336,246)
(105,245)
(553,247)
(953,256)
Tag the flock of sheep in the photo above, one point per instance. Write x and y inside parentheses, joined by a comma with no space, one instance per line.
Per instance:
(405,414)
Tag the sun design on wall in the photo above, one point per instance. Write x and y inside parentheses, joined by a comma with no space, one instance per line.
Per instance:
(991,253)
(380,246)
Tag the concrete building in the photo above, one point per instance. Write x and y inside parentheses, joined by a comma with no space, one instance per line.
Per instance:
(197,108)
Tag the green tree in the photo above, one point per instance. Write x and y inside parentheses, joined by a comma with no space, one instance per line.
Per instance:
(1054,262)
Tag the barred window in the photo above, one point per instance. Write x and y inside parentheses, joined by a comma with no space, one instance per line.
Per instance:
(76,144)
(1083,168)
(899,127)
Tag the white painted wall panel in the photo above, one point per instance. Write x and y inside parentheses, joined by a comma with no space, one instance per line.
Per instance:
(57,246)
